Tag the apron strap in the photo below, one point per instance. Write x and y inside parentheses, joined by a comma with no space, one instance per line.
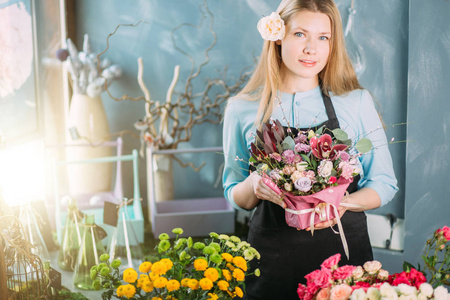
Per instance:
(331,113)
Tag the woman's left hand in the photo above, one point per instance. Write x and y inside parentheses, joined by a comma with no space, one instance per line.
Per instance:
(326,224)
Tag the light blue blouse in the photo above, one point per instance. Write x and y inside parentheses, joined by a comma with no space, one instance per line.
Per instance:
(356,114)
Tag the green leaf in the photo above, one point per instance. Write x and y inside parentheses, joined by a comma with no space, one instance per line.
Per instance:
(407,266)
(320,130)
(305,158)
(252,159)
(347,142)
(363,145)
(340,134)
(288,143)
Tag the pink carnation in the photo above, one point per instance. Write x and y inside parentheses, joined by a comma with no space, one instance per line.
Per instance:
(347,170)
(275,156)
(331,261)
(323,278)
(343,272)
(288,156)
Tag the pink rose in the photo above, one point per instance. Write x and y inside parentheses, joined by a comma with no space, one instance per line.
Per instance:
(343,272)
(331,261)
(332,179)
(323,278)
(340,292)
(288,170)
(323,294)
(445,231)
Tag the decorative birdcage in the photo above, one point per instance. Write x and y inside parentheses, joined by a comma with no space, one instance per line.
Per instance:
(25,275)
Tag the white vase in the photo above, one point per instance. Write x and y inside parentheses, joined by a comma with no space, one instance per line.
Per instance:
(88,116)
(159,176)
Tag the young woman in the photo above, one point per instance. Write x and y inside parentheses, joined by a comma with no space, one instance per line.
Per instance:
(305,65)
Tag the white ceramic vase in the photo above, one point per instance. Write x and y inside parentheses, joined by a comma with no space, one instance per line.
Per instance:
(88,116)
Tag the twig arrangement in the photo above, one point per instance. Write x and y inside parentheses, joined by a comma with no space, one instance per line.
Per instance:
(166,124)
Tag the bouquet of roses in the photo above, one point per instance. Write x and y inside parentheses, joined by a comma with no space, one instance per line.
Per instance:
(183,270)
(368,282)
(311,169)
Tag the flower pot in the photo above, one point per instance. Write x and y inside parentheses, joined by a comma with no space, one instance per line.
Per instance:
(87,115)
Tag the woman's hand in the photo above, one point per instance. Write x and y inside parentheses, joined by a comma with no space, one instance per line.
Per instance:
(326,224)
(263,192)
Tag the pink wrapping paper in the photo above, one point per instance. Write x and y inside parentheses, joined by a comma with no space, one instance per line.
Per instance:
(332,195)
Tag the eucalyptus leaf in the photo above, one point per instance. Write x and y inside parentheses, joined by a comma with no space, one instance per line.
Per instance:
(288,143)
(305,158)
(347,142)
(363,145)
(320,130)
(340,134)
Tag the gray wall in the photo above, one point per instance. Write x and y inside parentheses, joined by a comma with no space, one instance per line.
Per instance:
(406,92)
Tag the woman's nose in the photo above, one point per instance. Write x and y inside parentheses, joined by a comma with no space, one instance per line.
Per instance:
(309,49)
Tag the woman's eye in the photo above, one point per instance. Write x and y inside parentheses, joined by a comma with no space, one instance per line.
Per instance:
(324,38)
(299,34)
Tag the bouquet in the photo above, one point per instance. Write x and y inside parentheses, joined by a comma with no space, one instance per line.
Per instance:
(367,282)
(311,169)
(182,270)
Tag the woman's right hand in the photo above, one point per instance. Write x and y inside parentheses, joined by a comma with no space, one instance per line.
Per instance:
(263,192)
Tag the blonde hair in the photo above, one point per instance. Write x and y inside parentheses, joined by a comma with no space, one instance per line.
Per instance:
(337,77)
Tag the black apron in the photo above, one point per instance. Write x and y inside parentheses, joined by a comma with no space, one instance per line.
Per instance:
(288,254)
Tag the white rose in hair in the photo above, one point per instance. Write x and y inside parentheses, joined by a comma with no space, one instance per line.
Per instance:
(272,27)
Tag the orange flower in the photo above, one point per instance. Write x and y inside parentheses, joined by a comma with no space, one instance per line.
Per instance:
(145,267)
(147,286)
(226,274)
(240,262)
(200,264)
(230,266)
(159,268)
(193,284)
(206,284)
(184,282)
(212,274)
(238,274)
(160,282)
(227,256)
(239,292)
(223,285)
(130,275)
(168,263)
(172,285)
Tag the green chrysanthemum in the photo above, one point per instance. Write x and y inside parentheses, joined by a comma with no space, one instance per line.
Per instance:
(163,236)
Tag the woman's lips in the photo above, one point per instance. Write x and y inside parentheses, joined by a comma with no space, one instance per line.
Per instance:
(308,63)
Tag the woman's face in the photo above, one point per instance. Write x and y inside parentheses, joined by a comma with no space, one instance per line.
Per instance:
(305,47)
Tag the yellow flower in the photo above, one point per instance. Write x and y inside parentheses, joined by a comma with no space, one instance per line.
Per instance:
(184,282)
(157,298)
(159,268)
(212,274)
(141,281)
(129,291)
(206,284)
(172,285)
(200,264)
(143,276)
(226,274)
(130,275)
(160,282)
(227,256)
(119,291)
(193,284)
(240,262)
(145,267)
(168,263)
(223,285)
(147,286)
(238,292)
(238,274)
(230,266)
(212,296)
(171,298)
(153,276)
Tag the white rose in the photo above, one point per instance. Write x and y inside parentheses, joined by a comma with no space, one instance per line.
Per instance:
(387,291)
(407,297)
(426,289)
(373,293)
(383,274)
(272,27)
(358,272)
(421,296)
(325,168)
(358,294)
(372,267)
(407,289)
(440,293)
